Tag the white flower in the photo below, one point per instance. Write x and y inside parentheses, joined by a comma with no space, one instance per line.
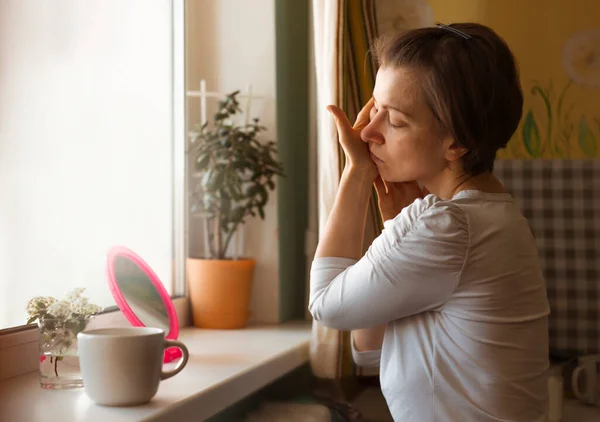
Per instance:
(39,304)
(78,305)
(75,294)
(581,57)
(91,309)
(60,309)
(71,310)
(81,306)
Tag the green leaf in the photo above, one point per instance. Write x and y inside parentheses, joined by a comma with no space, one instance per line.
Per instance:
(531,136)
(217,180)
(252,190)
(235,192)
(237,214)
(587,140)
(202,161)
(206,178)
(278,172)
(264,196)
(225,206)
(207,199)
(31,320)
(242,164)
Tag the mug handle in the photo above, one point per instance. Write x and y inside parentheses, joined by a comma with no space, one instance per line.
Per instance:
(174,343)
(575,384)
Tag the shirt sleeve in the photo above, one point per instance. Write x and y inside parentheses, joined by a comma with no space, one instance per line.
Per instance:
(367,358)
(413,266)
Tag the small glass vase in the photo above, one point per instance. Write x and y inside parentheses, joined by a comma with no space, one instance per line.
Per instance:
(59,361)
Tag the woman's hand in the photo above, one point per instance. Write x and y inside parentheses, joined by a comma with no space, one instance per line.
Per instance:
(394,196)
(356,150)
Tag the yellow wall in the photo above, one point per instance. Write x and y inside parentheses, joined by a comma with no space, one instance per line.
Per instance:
(537,32)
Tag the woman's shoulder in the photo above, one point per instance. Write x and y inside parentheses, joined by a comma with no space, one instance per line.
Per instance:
(429,230)
(430,212)
(430,207)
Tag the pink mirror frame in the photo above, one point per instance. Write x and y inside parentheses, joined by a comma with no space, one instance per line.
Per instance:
(171,353)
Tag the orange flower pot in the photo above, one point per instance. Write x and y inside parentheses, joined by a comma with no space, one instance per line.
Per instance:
(220,292)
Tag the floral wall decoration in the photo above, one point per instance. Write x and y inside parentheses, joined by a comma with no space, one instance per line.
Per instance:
(557,47)
(558,130)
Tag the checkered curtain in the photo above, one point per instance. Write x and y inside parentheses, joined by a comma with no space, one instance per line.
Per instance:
(561,201)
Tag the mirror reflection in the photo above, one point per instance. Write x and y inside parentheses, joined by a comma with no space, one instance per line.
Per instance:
(140,294)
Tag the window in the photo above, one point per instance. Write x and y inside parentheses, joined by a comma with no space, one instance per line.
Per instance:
(91,144)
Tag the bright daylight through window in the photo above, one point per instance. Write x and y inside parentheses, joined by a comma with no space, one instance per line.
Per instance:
(86,145)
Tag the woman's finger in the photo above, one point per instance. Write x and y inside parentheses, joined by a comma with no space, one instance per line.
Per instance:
(381,186)
(363,117)
(341,121)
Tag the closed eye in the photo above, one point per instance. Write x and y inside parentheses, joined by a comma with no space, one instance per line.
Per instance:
(374,111)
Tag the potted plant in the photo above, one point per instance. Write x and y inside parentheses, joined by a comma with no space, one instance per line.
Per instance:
(235,171)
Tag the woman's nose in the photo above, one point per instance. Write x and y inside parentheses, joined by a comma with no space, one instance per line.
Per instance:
(371,132)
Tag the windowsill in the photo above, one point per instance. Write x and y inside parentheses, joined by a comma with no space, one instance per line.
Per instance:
(223,368)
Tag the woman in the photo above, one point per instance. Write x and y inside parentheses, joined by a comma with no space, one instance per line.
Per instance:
(449,300)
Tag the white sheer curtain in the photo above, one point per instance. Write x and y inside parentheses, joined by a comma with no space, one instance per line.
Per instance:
(326,344)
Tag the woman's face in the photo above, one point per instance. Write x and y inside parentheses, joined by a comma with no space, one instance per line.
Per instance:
(403,135)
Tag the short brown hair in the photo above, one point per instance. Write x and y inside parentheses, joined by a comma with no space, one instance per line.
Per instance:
(471,84)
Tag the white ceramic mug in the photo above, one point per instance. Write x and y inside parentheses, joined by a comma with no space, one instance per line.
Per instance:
(585,381)
(123,366)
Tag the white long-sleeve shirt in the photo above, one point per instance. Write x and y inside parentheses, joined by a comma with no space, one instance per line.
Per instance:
(460,285)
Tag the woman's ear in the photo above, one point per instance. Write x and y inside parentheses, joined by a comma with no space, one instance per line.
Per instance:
(455,151)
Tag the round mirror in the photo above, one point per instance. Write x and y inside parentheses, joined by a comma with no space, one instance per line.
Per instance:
(140,294)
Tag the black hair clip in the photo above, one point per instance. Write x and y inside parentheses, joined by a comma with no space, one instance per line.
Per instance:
(454,31)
